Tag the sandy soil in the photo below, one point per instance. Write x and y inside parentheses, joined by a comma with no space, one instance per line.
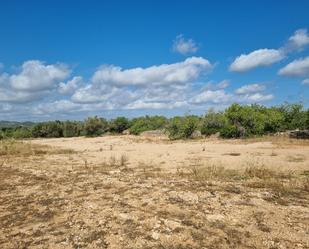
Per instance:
(170,155)
(131,192)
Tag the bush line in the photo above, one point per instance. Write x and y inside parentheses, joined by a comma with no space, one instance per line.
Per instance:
(234,122)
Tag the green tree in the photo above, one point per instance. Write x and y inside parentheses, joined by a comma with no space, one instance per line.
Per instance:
(22,132)
(249,120)
(294,116)
(48,129)
(230,131)
(273,120)
(182,127)
(119,124)
(147,123)
(72,128)
(213,122)
(95,126)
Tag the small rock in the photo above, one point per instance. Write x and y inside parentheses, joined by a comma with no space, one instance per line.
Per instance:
(173,225)
(196,134)
(215,217)
(126,132)
(155,235)
(124,216)
(112,172)
(188,197)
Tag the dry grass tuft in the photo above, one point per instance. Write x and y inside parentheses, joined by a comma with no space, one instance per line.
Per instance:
(123,160)
(296,158)
(256,175)
(260,172)
(306,184)
(112,160)
(213,172)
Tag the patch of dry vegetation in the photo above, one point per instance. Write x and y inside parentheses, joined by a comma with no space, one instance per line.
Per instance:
(279,141)
(296,158)
(11,147)
(281,183)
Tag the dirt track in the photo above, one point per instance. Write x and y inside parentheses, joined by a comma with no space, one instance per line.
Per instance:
(126,192)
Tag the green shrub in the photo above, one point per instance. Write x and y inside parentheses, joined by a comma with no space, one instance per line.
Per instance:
(72,128)
(94,126)
(182,127)
(119,124)
(249,120)
(213,122)
(147,123)
(7,132)
(48,129)
(2,136)
(235,121)
(294,117)
(273,119)
(22,132)
(230,131)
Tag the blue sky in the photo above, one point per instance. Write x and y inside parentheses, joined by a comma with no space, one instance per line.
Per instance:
(72,59)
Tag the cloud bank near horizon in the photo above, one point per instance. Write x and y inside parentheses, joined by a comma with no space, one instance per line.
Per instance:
(41,90)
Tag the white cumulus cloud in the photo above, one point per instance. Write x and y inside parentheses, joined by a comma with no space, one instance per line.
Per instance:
(266,56)
(252,88)
(34,80)
(42,91)
(36,76)
(155,86)
(297,68)
(70,86)
(257,97)
(223,84)
(210,96)
(299,40)
(184,46)
(305,82)
(176,73)
(257,58)
(58,106)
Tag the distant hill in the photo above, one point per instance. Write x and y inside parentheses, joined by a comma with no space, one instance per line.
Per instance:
(9,124)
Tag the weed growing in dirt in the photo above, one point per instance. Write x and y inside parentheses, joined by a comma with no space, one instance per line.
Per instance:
(118,162)
(213,171)
(123,160)
(112,160)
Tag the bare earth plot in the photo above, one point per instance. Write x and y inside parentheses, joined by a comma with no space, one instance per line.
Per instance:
(135,192)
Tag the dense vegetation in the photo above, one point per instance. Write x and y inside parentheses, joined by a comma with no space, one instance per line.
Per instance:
(236,121)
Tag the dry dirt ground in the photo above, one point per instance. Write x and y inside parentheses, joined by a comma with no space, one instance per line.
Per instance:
(137,192)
